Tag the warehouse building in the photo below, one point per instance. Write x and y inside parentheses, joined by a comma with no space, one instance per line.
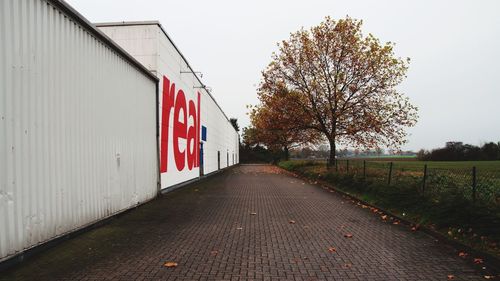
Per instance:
(192,124)
(87,130)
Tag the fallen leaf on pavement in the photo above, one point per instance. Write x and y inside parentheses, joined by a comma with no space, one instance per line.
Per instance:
(384,217)
(462,254)
(239,228)
(348,235)
(451,277)
(478,260)
(170,264)
(332,250)
(253,214)
(347,265)
(489,277)
(214,252)
(291,222)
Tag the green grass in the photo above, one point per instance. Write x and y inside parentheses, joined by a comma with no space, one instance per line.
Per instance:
(489,170)
(446,205)
(389,157)
(419,165)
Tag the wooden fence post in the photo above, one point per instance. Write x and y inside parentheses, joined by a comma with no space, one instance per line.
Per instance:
(390,174)
(474,184)
(424,179)
(364,169)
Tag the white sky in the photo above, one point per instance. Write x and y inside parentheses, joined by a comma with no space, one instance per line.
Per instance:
(454,46)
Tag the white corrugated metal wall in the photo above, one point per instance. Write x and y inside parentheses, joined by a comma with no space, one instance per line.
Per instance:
(148,43)
(77,127)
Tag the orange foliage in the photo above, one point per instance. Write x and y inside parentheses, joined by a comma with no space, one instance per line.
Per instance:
(332,82)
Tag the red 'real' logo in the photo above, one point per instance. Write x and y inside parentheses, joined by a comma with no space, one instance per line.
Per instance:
(183,112)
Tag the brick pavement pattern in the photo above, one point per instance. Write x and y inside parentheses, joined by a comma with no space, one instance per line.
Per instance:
(238,226)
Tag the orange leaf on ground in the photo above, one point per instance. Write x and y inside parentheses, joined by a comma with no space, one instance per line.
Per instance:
(348,235)
(332,250)
(347,265)
(170,264)
(384,217)
(462,254)
(451,277)
(478,260)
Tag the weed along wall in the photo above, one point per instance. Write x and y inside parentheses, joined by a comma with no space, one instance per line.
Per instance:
(195,135)
(77,125)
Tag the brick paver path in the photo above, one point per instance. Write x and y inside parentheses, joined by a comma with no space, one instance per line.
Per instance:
(210,230)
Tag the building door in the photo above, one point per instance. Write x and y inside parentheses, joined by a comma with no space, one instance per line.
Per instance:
(201,160)
(218,160)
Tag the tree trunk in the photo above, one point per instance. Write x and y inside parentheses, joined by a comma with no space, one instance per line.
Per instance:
(287,157)
(331,159)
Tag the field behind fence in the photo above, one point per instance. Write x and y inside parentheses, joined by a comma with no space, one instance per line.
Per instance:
(477,181)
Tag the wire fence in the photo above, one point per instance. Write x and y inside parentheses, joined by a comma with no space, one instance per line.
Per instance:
(472,183)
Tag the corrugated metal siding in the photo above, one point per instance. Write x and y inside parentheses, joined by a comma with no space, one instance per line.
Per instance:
(149,44)
(77,127)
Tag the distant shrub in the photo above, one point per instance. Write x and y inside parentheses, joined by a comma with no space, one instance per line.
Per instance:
(457,151)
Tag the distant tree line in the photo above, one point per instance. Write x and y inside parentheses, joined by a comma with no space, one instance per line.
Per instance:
(457,151)
(323,152)
(253,151)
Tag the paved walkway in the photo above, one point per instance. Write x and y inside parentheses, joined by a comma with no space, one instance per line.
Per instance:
(210,231)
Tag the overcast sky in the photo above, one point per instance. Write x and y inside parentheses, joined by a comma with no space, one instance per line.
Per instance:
(454,76)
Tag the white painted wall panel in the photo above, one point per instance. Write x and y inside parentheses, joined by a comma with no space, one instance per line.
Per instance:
(222,138)
(77,127)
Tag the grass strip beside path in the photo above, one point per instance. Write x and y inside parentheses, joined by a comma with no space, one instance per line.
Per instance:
(448,213)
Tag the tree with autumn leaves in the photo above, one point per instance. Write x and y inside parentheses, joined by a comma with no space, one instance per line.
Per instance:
(331,83)
(275,127)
